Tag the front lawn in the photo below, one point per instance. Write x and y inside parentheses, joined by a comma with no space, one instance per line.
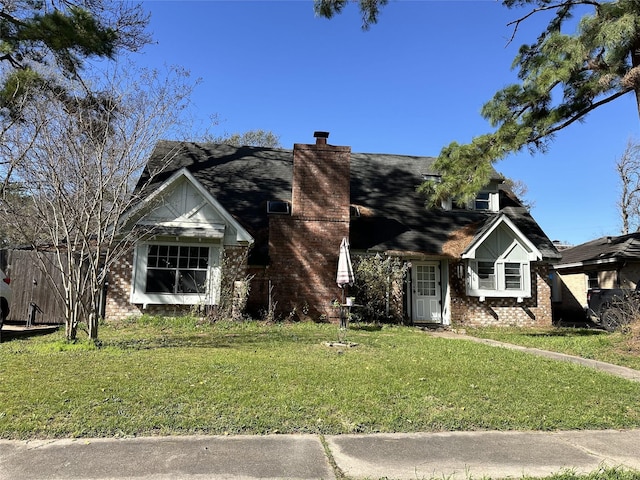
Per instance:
(617,348)
(156,376)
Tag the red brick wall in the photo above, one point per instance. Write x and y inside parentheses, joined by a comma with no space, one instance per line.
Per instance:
(534,311)
(118,307)
(303,247)
(320,189)
(304,260)
(119,290)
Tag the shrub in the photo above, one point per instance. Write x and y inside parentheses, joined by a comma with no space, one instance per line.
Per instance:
(622,313)
(379,286)
(234,288)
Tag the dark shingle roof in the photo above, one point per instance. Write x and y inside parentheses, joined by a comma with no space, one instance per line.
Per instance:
(393,214)
(604,248)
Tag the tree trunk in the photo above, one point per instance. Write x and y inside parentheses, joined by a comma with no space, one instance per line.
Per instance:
(93,326)
(70,329)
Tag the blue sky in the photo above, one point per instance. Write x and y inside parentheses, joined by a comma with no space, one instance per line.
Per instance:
(412,84)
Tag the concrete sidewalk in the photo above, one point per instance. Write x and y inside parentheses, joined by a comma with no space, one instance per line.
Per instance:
(461,455)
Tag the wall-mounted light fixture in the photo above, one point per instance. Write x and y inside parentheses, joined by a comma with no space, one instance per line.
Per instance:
(460,270)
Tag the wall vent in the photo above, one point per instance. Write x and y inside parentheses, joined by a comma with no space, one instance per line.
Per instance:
(279,207)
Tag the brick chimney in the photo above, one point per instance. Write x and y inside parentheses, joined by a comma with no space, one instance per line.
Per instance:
(321,177)
(321,137)
(304,247)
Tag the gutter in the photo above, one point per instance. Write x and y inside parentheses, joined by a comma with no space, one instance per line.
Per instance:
(586,263)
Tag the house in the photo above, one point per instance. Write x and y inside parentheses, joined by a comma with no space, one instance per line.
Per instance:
(606,262)
(278,216)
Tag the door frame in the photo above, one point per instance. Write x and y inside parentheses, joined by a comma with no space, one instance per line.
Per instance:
(442,284)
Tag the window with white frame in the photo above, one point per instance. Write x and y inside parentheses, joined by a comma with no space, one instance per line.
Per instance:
(499,265)
(177,269)
(512,276)
(483,201)
(486,272)
(175,273)
(493,278)
(592,280)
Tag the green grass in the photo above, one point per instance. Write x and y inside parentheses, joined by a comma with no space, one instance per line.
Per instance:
(605,473)
(616,348)
(157,376)
(602,474)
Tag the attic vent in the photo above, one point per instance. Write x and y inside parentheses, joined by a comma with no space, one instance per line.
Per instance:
(278,207)
(354,211)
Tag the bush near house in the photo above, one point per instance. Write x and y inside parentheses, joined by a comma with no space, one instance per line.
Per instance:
(378,287)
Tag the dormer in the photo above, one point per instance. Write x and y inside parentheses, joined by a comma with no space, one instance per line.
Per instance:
(486,200)
(499,261)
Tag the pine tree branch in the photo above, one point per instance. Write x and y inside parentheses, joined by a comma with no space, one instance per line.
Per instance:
(516,23)
(577,116)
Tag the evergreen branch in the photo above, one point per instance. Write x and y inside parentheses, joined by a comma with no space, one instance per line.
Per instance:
(578,115)
(516,23)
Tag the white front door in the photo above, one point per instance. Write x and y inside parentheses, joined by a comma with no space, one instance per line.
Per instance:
(427,305)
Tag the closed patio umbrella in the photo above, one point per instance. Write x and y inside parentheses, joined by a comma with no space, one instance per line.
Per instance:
(345,270)
(343,278)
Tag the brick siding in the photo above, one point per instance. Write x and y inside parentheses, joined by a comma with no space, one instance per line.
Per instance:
(119,289)
(534,311)
(304,247)
(118,307)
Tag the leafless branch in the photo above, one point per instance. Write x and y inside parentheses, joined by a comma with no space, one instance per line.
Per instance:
(516,23)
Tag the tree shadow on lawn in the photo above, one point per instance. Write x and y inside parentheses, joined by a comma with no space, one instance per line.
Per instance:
(205,340)
(567,332)
(363,327)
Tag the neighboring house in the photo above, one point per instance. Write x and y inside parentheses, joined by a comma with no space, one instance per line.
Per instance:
(607,262)
(485,262)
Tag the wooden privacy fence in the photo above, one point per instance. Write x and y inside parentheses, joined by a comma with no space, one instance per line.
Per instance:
(30,286)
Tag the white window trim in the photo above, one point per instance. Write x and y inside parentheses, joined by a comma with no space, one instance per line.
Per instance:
(474,290)
(139,278)
(588,280)
(493,202)
(532,255)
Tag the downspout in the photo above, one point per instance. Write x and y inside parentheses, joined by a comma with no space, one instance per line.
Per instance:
(442,292)
(386,306)
(410,295)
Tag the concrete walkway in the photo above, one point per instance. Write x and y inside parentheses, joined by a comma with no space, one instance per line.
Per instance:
(624,372)
(454,456)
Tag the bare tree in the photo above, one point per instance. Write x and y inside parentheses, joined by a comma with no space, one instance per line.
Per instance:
(628,168)
(520,190)
(253,138)
(78,174)
(48,45)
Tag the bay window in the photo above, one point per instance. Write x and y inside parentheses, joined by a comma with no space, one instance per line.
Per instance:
(177,269)
(486,275)
(499,278)
(176,273)
(499,261)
